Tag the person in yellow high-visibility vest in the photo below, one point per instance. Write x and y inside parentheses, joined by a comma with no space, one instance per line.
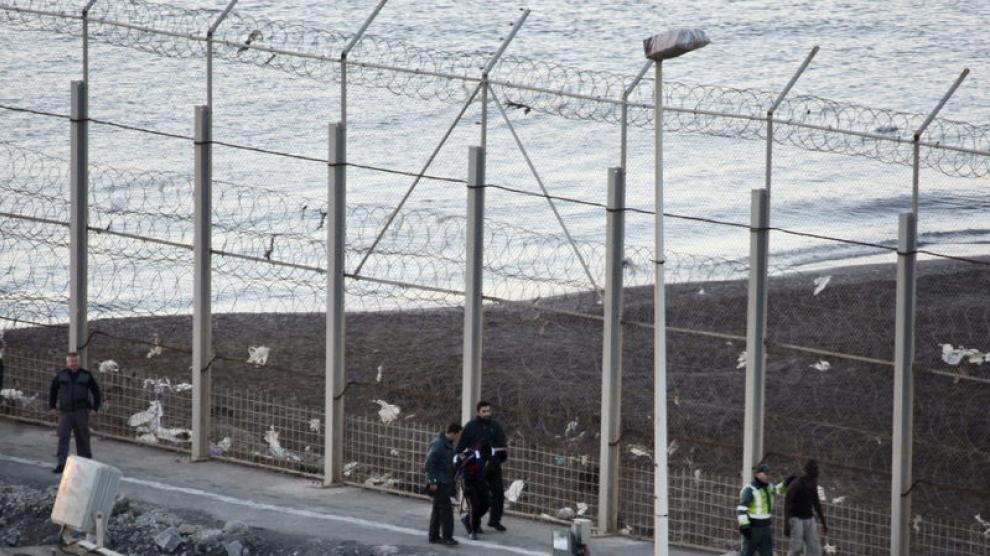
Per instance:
(755,511)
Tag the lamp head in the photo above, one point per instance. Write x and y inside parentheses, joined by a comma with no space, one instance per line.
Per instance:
(673,43)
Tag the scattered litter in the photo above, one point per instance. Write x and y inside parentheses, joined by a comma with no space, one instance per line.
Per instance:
(821,365)
(954,356)
(821,283)
(388,412)
(350,467)
(639,451)
(384,481)
(258,355)
(546,516)
(560,460)
(148,425)
(565,513)
(571,428)
(393,452)
(16,396)
(672,447)
(741,360)
(378,377)
(314,425)
(160,385)
(838,500)
(219,448)
(109,366)
(582,508)
(983,523)
(275,447)
(916,523)
(155,350)
(829,548)
(627,530)
(677,400)
(514,491)
(821,494)
(585,459)
(697,474)
(701,291)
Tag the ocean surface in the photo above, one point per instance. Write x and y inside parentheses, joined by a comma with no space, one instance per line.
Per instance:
(898,55)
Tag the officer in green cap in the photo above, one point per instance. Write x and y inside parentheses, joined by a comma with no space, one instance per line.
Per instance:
(755,510)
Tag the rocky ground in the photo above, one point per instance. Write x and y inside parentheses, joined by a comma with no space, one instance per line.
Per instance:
(138,528)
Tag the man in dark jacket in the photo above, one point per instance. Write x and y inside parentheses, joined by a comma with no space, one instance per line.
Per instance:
(73,394)
(485,436)
(800,507)
(440,477)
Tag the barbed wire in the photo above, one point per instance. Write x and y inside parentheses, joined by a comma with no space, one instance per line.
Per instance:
(807,122)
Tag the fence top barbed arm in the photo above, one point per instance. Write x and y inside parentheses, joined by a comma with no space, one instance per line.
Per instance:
(941,104)
(223,15)
(794,78)
(360,32)
(505,43)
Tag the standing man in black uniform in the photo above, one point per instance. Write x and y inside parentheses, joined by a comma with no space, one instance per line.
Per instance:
(485,435)
(72,395)
(440,477)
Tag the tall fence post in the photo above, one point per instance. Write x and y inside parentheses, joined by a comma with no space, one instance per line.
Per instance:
(201,360)
(608,473)
(471,385)
(79,220)
(900,496)
(756,325)
(336,378)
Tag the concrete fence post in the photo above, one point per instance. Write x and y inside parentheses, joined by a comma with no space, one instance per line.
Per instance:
(900,497)
(608,475)
(336,375)
(471,385)
(202,234)
(756,326)
(79,221)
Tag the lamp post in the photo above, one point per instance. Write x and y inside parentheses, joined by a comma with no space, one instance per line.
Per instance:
(668,44)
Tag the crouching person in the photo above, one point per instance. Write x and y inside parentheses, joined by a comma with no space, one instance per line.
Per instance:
(440,477)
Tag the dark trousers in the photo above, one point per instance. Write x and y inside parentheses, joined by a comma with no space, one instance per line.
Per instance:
(476,493)
(76,423)
(442,516)
(493,474)
(760,542)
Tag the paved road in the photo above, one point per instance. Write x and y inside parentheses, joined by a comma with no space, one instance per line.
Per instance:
(275,501)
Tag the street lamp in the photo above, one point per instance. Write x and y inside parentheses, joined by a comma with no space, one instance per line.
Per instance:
(669,44)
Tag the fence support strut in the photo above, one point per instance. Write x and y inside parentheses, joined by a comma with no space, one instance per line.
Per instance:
(471,382)
(336,374)
(608,474)
(756,324)
(79,221)
(202,234)
(900,495)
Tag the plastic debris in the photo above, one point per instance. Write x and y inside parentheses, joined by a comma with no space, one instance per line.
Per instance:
(672,448)
(955,355)
(388,412)
(829,548)
(701,291)
(565,513)
(16,396)
(258,355)
(378,377)
(382,481)
(514,491)
(314,425)
(219,448)
(821,365)
(697,474)
(571,428)
(639,451)
(838,499)
(821,494)
(149,418)
(275,447)
(350,468)
(393,452)
(983,523)
(109,366)
(741,360)
(161,385)
(916,523)
(582,508)
(821,283)
(148,425)
(155,350)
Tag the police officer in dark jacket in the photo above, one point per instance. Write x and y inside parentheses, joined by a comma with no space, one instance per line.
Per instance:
(440,477)
(73,394)
(486,436)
